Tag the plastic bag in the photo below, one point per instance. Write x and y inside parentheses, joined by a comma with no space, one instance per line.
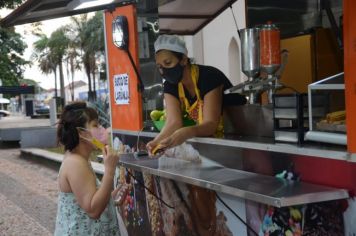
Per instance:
(184,152)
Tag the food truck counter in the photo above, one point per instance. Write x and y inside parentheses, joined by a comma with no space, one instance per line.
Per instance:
(315,150)
(224,169)
(237,176)
(256,187)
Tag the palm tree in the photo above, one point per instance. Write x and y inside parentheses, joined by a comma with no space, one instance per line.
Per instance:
(58,45)
(45,58)
(47,66)
(78,26)
(95,43)
(72,65)
(90,41)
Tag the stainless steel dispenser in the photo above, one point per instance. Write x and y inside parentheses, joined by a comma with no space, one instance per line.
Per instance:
(250,52)
(260,52)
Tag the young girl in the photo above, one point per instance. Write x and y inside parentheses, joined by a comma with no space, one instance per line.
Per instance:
(85,206)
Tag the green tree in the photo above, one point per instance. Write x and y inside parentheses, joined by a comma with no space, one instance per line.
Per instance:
(89,39)
(50,53)
(58,45)
(73,64)
(10,3)
(12,64)
(95,45)
(45,57)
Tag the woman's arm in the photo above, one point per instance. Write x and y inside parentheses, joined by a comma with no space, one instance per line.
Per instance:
(173,120)
(211,117)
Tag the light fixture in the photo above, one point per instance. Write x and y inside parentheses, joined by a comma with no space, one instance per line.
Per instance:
(120,32)
(83,4)
(120,37)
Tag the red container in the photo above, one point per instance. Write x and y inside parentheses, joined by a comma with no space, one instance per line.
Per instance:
(270,57)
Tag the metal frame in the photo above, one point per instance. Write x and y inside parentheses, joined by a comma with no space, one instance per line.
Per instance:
(246,185)
(327,137)
(20,15)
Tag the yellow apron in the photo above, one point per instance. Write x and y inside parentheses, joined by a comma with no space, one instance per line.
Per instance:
(195,110)
(202,200)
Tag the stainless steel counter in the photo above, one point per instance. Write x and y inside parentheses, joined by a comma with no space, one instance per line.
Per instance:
(259,188)
(314,150)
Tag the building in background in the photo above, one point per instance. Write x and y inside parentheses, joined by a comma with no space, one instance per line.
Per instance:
(78,88)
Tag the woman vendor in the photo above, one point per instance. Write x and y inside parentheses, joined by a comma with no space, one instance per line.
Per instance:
(195,89)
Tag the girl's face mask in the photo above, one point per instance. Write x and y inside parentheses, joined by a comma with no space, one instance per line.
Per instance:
(99,136)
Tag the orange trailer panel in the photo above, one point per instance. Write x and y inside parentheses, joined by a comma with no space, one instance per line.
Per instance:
(350,71)
(124,116)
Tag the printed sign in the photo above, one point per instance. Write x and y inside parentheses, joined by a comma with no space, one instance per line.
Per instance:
(121,89)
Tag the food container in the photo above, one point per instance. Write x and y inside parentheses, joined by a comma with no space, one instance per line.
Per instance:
(270,56)
(250,52)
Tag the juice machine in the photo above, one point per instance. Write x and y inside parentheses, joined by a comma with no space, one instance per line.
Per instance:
(261,59)
(261,62)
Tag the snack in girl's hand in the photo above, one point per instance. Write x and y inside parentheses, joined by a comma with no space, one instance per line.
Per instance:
(98,144)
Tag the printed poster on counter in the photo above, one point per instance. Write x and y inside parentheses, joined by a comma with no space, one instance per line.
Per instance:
(156,206)
(121,89)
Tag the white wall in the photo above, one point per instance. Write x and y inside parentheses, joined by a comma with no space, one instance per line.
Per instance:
(195,46)
(211,45)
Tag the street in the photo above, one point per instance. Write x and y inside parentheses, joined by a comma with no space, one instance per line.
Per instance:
(28,194)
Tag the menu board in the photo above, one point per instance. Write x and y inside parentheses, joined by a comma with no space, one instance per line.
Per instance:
(121,89)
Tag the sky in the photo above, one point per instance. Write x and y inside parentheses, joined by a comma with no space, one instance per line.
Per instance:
(33,72)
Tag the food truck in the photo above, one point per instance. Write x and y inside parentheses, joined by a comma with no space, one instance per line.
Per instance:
(286,164)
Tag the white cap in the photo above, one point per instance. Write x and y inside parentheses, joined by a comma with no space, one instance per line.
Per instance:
(172,43)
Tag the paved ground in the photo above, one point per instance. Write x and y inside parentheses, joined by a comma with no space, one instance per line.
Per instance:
(28,195)
(22,122)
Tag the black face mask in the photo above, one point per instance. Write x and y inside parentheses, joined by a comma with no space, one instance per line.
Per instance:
(173,75)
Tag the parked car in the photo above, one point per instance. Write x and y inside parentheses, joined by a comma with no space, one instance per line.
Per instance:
(4,113)
(42,109)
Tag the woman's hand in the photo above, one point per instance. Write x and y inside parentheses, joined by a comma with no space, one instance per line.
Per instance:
(151,145)
(110,160)
(178,137)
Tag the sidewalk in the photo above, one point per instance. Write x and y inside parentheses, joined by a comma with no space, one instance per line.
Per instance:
(29,190)
(22,122)
(28,195)
(11,127)
(98,168)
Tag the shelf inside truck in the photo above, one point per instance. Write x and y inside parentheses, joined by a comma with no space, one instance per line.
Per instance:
(319,130)
(250,186)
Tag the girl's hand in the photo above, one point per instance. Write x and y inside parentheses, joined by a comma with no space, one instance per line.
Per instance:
(110,160)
